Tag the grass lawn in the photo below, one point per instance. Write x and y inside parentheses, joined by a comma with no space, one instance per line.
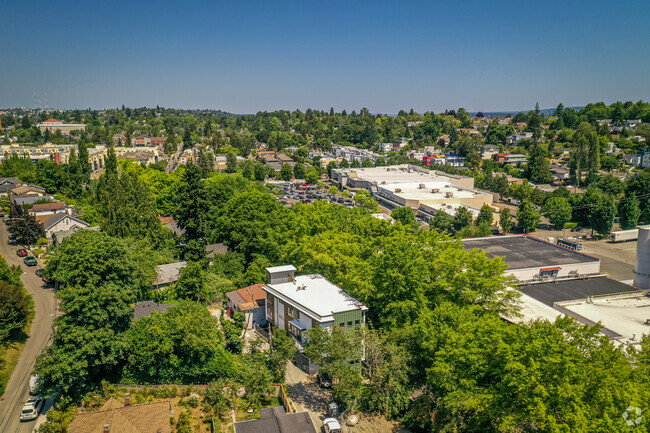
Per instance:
(242,405)
(9,356)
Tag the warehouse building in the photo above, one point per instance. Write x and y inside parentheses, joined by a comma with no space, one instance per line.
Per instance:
(532,259)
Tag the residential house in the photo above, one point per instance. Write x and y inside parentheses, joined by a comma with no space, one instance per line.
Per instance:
(115,417)
(277,420)
(385,147)
(40,209)
(168,274)
(632,123)
(509,158)
(27,189)
(7,184)
(560,173)
(488,151)
(171,224)
(299,303)
(61,222)
(512,140)
(604,122)
(28,200)
(214,250)
(251,301)
(60,236)
(145,308)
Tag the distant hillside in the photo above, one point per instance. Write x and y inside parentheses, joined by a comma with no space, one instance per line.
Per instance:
(544,111)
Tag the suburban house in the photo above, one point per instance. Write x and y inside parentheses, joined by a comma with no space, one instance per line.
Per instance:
(59,237)
(251,301)
(488,151)
(115,417)
(510,158)
(7,184)
(40,209)
(276,420)
(61,222)
(28,190)
(299,303)
(145,308)
(168,274)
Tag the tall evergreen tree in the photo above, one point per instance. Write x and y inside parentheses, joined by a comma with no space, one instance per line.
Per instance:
(538,170)
(192,203)
(84,162)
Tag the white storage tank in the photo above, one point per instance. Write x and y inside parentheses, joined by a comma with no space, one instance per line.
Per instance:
(642,268)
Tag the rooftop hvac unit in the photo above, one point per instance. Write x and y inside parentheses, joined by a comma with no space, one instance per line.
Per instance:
(422,186)
(449,194)
(398,189)
(435,190)
(383,182)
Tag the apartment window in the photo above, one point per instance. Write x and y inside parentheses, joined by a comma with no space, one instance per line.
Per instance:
(357,322)
(342,325)
(350,323)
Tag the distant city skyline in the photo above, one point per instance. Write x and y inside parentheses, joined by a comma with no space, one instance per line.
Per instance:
(249,56)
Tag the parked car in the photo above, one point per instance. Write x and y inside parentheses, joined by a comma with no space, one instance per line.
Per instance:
(22,252)
(30,261)
(13,241)
(31,408)
(577,229)
(331,425)
(33,383)
(324,380)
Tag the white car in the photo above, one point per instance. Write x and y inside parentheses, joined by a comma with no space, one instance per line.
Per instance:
(31,409)
(331,425)
(33,383)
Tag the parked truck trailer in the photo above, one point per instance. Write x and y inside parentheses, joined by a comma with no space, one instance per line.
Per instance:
(628,235)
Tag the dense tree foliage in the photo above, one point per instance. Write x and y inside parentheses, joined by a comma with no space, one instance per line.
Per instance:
(183,345)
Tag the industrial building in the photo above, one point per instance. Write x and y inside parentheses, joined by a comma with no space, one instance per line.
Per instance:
(618,307)
(426,192)
(532,259)
(369,178)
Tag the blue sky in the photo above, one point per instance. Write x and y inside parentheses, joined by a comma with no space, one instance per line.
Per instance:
(248,56)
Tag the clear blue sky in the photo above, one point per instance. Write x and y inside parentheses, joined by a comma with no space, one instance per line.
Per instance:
(248,56)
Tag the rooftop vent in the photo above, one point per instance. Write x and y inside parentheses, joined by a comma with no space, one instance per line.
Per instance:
(383,182)
(398,189)
(449,194)
(435,190)
(422,186)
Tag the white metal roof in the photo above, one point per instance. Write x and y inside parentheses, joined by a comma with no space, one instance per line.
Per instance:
(285,268)
(316,296)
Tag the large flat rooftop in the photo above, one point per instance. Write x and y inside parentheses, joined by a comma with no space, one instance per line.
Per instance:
(521,252)
(424,191)
(396,174)
(625,317)
(551,292)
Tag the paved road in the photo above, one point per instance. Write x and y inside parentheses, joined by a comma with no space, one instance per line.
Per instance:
(17,391)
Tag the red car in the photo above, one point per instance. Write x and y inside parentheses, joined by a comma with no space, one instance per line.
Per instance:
(22,252)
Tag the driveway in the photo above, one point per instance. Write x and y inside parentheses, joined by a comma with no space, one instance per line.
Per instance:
(17,391)
(305,393)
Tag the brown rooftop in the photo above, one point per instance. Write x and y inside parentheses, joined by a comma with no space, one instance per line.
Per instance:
(141,418)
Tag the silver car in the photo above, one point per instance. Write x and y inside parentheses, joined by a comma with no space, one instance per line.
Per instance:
(31,409)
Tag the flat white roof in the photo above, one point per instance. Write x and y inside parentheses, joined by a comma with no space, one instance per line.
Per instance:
(316,296)
(415,191)
(624,314)
(394,174)
(285,268)
(532,309)
(450,208)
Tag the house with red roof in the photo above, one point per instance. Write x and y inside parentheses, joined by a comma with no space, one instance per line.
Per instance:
(251,301)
